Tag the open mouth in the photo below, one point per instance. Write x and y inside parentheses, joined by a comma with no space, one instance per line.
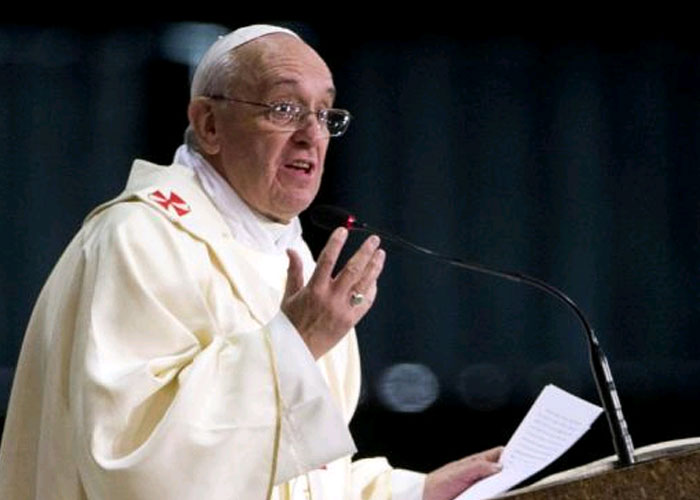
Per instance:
(300,165)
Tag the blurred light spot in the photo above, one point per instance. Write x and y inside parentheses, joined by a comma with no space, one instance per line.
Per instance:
(554,372)
(186,43)
(408,387)
(484,387)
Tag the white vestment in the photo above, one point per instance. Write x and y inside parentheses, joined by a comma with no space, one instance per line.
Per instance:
(157,364)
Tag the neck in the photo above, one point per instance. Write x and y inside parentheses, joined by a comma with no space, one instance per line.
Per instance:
(215,161)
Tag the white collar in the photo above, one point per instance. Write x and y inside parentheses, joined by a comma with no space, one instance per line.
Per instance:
(247,226)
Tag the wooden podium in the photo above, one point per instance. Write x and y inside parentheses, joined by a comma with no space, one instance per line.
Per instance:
(665,471)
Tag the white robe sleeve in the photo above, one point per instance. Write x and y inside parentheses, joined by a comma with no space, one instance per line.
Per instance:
(375,479)
(314,420)
(169,397)
(407,485)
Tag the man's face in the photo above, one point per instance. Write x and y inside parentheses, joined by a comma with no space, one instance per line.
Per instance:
(278,173)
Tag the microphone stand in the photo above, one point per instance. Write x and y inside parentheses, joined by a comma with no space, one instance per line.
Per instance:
(622,441)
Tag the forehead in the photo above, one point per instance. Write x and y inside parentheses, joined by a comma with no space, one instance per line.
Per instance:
(283,62)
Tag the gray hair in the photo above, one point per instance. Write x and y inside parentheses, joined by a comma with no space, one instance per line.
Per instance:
(219,66)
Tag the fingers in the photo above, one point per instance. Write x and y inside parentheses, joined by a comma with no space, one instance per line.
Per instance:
(452,479)
(479,470)
(295,274)
(481,465)
(356,270)
(326,308)
(329,255)
(492,455)
(359,273)
(368,283)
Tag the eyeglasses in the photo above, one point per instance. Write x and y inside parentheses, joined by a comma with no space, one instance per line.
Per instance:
(290,116)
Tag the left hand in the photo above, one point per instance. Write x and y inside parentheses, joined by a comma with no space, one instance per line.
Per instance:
(452,479)
(322,311)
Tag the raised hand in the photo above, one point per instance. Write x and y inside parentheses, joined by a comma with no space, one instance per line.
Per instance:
(326,308)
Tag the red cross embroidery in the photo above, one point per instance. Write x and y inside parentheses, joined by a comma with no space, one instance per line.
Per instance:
(179,205)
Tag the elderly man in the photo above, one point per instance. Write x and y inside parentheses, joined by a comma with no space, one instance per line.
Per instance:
(186,345)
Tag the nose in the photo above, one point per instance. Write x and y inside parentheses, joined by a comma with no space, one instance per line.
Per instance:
(310,129)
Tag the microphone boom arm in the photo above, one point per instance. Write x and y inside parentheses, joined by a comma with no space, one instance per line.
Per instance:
(622,441)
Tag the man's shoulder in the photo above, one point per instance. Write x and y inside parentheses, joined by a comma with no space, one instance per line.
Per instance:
(129,223)
(158,186)
(166,197)
(144,174)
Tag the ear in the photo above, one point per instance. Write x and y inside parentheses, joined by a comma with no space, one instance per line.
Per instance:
(203,120)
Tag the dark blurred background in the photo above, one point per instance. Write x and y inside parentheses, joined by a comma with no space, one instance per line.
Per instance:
(568,151)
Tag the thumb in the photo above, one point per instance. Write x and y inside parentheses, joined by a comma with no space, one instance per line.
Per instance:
(295,274)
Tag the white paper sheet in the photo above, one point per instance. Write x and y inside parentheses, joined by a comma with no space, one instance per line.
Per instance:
(554,423)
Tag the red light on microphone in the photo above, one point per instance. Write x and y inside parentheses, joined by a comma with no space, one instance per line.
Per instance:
(350,221)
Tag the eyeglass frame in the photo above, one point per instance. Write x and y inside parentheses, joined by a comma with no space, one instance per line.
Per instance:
(299,117)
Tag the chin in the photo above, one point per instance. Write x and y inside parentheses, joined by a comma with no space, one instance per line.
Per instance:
(292,208)
(284,215)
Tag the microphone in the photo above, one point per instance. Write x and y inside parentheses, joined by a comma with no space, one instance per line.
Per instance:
(330,217)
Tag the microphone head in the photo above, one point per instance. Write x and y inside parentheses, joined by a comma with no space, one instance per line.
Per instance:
(330,217)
